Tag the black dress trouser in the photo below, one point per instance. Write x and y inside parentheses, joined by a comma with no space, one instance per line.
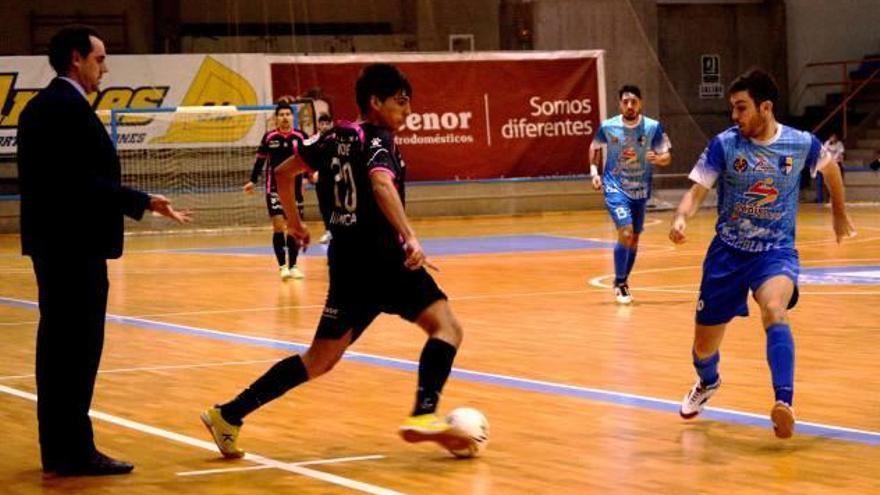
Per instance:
(70,337)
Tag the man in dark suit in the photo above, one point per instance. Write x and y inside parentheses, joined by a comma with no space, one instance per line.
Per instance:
(67,163)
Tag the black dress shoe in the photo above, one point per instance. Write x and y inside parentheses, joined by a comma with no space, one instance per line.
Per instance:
(96,464)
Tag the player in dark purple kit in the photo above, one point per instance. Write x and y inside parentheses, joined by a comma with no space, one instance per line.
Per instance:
(276,146)
(375,260)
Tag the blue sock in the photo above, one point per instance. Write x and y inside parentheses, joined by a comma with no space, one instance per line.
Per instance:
(630,261)
(707,368)
(780,356)
(621,254)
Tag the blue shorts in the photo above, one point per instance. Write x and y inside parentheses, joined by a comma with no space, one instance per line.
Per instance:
(625,211)
(728,274)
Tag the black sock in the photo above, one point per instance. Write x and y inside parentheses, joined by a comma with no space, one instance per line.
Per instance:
(278,246)
(435,364)
(280,378)
(292,251)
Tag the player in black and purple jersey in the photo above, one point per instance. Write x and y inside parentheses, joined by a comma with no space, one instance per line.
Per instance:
(376,264)
(276,146)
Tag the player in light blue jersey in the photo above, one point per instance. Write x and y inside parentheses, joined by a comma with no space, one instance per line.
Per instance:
(632,143)
(757,167)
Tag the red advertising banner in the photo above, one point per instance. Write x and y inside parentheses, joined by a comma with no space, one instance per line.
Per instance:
(478,115)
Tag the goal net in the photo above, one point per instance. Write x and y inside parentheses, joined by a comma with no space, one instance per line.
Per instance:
(198,157)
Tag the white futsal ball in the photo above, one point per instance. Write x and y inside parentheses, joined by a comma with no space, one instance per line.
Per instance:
(474,424)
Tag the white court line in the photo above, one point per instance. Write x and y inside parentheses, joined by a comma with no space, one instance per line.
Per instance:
(597,282)
(18,323)
(336,460)
(659,247)
(846,240)
(160,368)
(204,445)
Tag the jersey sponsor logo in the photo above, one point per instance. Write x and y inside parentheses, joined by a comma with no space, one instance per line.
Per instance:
(740,164)
(376,143)
(762,165)
(762,192)
(611,189)
(786,163)
(755,212)
(629,156)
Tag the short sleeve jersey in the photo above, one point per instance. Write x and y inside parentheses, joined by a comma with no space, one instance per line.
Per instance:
(626,166)
(275,147)
(758,185)
(347,155)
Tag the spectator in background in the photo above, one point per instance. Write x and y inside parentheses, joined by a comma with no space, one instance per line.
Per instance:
(875,165)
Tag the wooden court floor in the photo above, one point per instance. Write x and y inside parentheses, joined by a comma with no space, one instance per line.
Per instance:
(581,394)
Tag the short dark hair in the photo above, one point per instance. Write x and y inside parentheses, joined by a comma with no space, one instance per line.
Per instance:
(66,40)
(382,81)
(758,83)
(629,88)
(282,105)
(325,117)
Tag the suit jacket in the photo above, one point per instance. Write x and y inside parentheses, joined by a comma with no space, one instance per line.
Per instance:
(72,200)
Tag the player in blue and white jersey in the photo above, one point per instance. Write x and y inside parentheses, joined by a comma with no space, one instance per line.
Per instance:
(756,166)
(632,143)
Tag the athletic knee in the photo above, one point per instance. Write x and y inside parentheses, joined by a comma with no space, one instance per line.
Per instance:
(705,343)
(318,364)
(704,348)
(454,333)
(774,312)
(627,237)
(448,330)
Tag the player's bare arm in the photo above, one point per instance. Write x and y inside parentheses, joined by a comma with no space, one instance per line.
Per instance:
(596,168)
(659,159)
(843,226)
(392,207)
(687,208)
(285,174)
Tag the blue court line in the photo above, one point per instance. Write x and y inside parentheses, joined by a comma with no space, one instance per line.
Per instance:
(439,246)
(544,387)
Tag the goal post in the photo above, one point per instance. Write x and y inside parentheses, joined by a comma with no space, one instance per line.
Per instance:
(199,157)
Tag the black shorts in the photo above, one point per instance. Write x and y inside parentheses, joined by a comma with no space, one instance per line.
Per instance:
(273,204)
(357,296)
